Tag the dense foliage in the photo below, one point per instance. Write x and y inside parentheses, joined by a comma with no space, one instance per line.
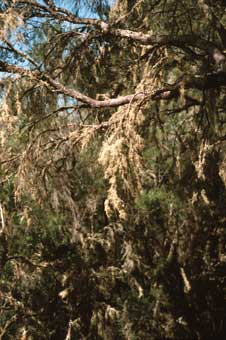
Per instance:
(113,169)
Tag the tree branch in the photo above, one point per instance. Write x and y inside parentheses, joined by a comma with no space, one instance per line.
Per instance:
(213,80)
(193,40)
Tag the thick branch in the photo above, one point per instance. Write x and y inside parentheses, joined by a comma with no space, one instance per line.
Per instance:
(115,102)
(213,80)
(193,40)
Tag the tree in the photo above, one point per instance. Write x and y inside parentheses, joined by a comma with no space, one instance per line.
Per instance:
(113,169)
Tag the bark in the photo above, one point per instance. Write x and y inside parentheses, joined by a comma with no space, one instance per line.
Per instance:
(210,81)
(144,39)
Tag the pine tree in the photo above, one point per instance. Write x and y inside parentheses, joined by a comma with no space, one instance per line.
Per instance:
(113,169)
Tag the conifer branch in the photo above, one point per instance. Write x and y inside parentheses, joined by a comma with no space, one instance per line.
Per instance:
(212,80)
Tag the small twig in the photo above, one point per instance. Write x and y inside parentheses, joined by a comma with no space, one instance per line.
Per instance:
(25,260)
(6,326)
(16,51)
(10,159)
(2,219)
(64,108)
(128,13)
(68,336)
(187,285)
